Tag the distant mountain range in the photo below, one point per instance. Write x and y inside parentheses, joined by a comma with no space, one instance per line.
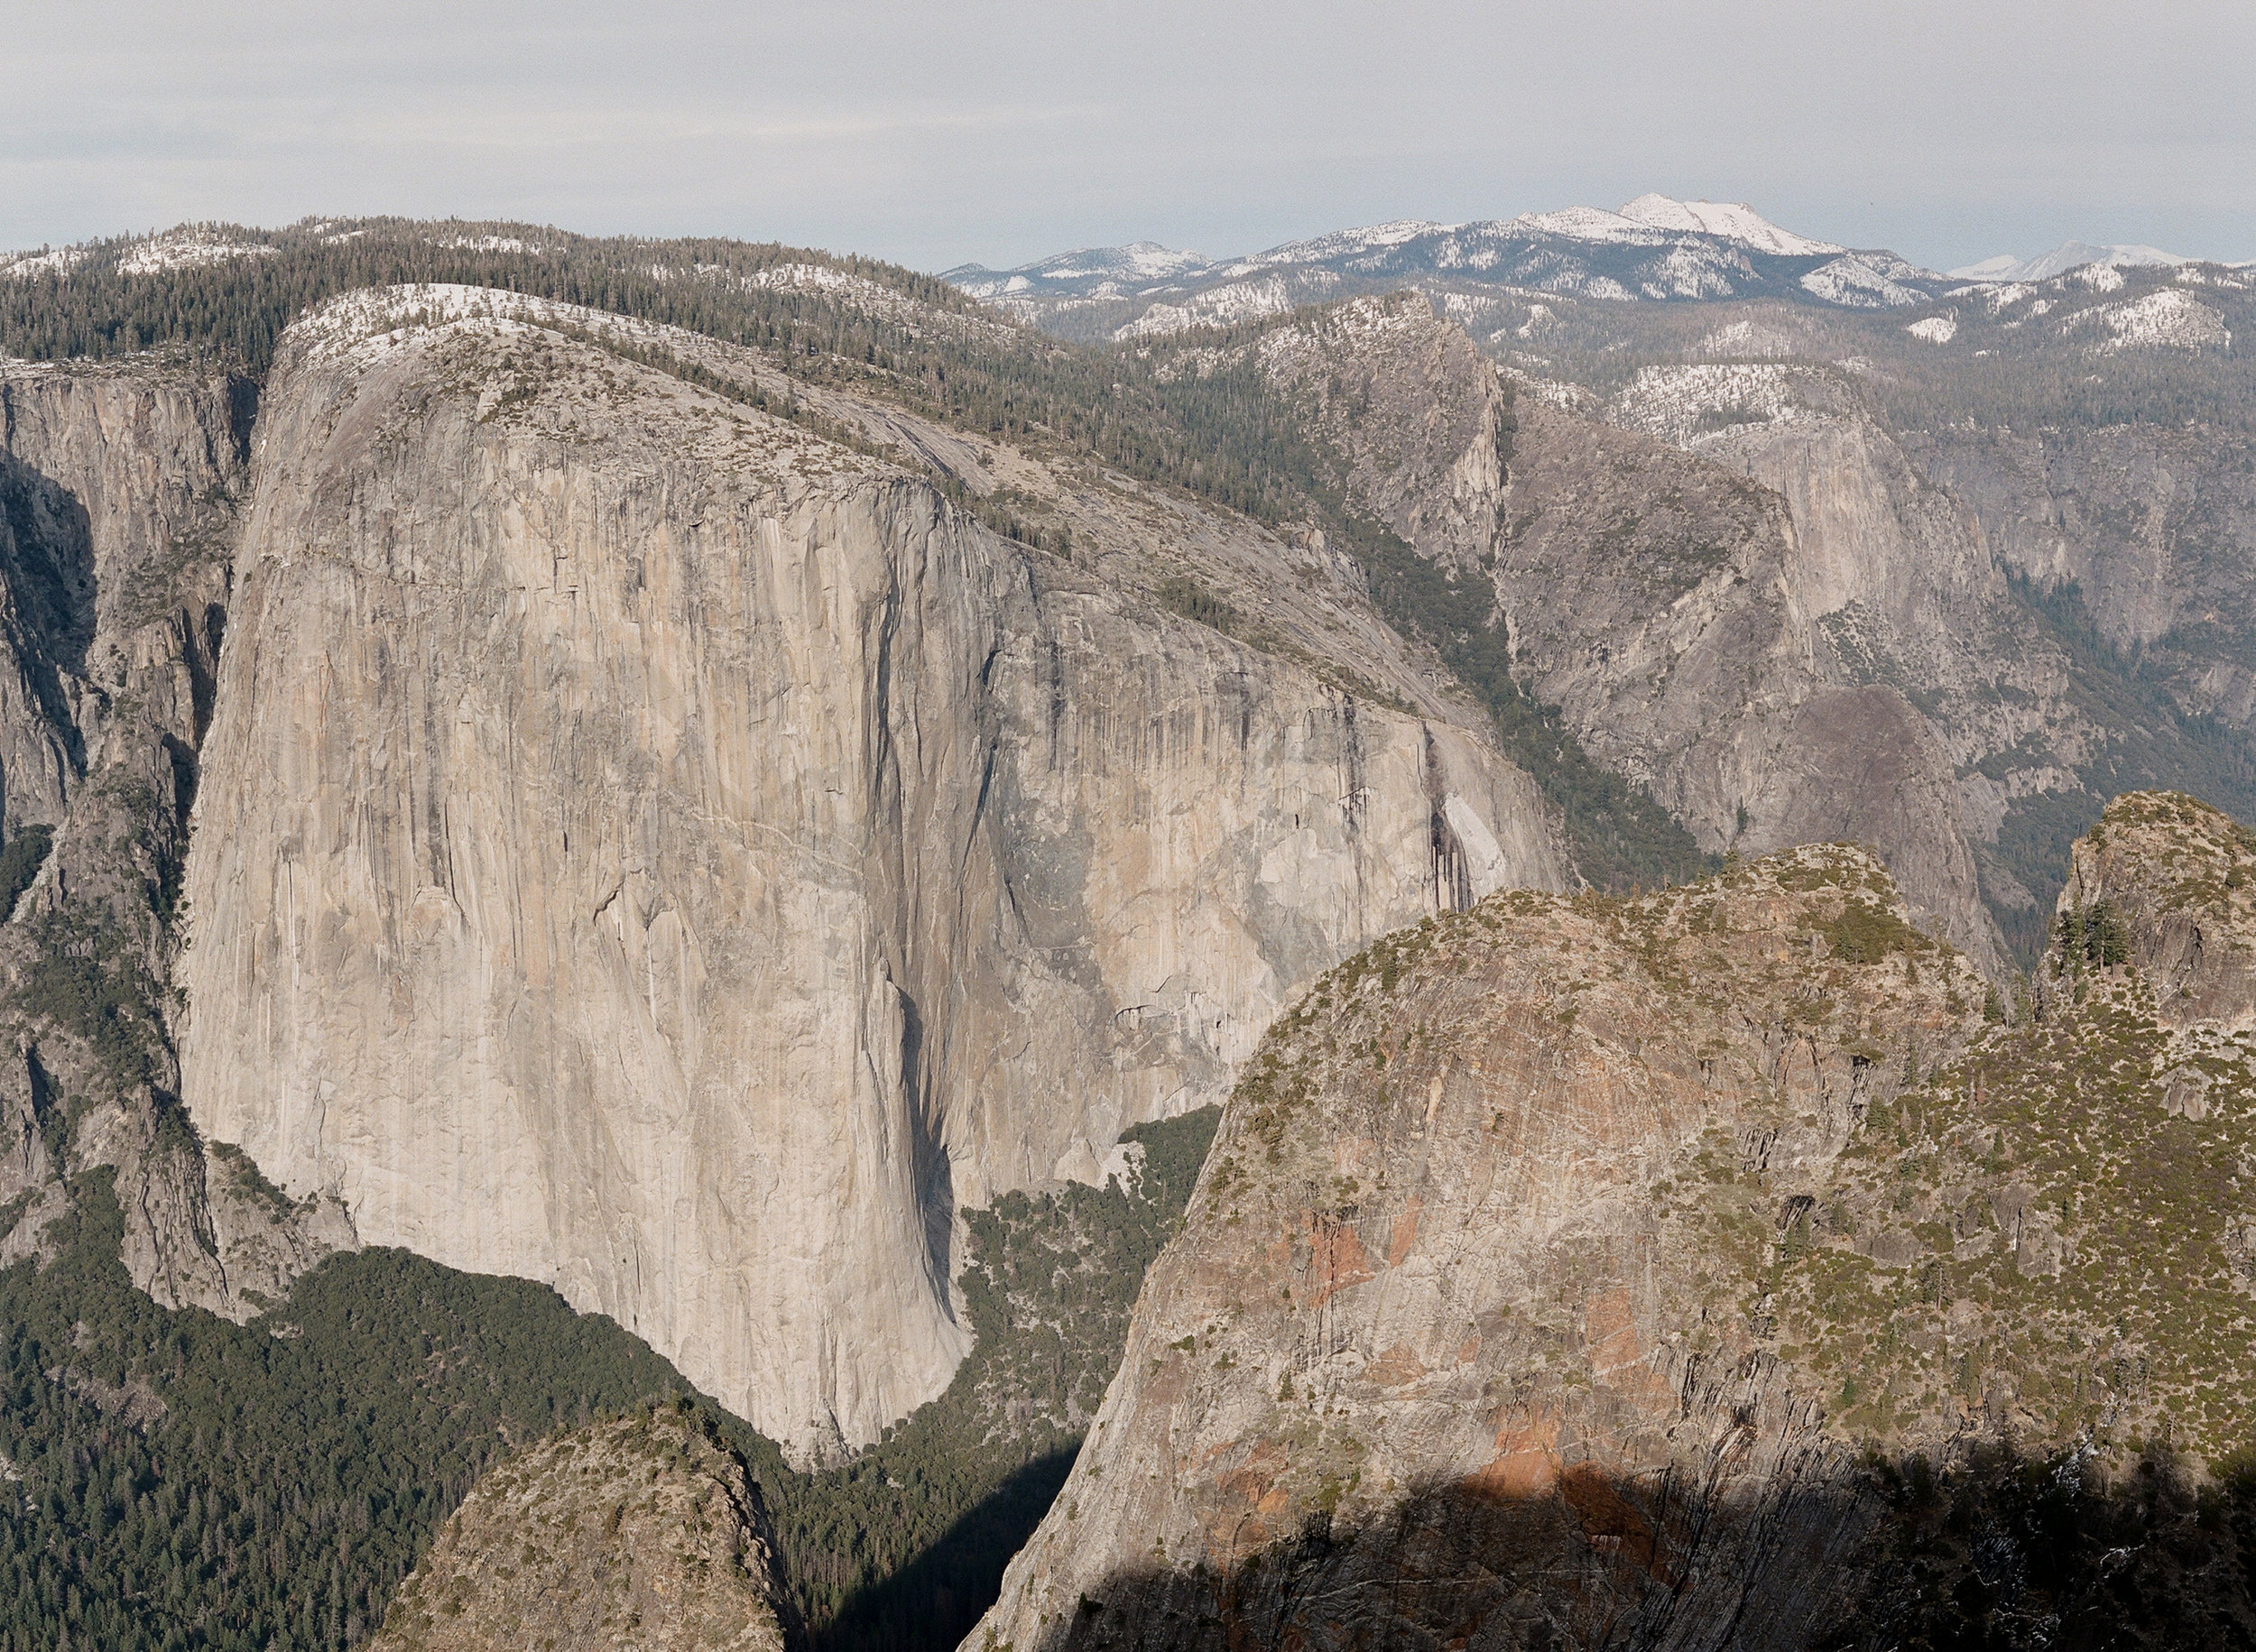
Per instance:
(1653,248)
(2068,255)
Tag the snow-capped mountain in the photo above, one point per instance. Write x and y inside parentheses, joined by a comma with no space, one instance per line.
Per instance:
(1733,221)
(2068,255)
(1652,248)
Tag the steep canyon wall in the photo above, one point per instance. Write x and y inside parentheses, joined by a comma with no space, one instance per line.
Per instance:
(119,489)
(1679,608)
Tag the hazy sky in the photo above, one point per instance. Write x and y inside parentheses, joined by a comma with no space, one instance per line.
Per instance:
(936,133)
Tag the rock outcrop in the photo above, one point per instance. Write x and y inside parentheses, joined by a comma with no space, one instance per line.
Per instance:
(1440,1310)
(2173,884)
(642,1532)
(652,847)
(1603,1272)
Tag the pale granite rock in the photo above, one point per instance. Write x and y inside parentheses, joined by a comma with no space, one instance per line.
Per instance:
(118,488)
(1681,615)
(647,847)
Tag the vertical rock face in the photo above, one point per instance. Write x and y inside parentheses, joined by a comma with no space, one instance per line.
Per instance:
(1788,621)
(2155,524)
(650,849)
(116,488)
(640,1532)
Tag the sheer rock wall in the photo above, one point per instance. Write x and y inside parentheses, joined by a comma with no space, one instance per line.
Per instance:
(651,849)
(1676,613)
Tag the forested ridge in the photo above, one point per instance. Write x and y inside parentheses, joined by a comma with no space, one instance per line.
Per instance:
(186,1482)
(828,318)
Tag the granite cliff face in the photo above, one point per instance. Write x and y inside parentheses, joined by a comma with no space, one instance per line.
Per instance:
(1708,1270)
(640,1532)
(1679,615)
(2154,525)
(118,492)
(654,847)
(1800,578)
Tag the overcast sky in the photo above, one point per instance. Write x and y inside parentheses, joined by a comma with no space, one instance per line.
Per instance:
(937,133)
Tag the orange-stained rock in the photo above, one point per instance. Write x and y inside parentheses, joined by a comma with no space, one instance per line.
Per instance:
(1428,1357)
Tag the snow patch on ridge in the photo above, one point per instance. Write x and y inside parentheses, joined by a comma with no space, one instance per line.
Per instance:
(2168,320)
(485,244)
(186,249)
(1350,243)
(2068,255)
(1852,282)
(57,260)
(1588,223)
(1216,307)
(1681,405)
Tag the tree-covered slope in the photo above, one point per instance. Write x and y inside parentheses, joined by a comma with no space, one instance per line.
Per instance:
(177,1481)
(182,1481)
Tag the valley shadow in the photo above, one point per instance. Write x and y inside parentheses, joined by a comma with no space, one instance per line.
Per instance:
(46,560)
(2000,1554)
(933,1601)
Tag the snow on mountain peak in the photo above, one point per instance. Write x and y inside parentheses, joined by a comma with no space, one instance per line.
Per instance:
(1655,247)
(1733,221)
(1998,269)
(1137,260)
(1584,224)
(2068,255)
